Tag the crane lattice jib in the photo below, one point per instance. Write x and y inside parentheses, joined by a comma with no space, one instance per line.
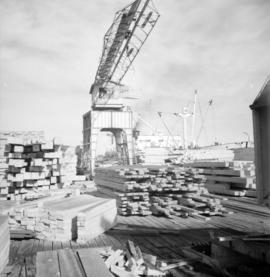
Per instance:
(123,41)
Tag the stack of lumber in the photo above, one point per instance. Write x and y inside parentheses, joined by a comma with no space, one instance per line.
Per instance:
(160,190)
(81,217)
(244,154)
(68,166)
(175,180)
(19,212)
(129,203)
(3,169)
(228,178)
(32,168)
(23,137)
(123,178)
(191,155)
(193,205)
(128,185)
(96,219)
(15,138)
(4,242)
(155,155)
(78,217)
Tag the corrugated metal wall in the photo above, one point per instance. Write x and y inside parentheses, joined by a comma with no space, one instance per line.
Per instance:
(111,119)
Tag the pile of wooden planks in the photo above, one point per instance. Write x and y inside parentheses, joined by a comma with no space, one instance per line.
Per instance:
(161,190)
(79,217)
(22,137)
(96,219)
(193,205)
(3,169)
(129,203)
(154,155)
(4,241)
(31,168)
(228,178)
(128,185)
(34,168)
(68,166)
(175,180)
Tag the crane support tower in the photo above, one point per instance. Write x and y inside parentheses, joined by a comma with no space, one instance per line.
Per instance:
(122,42)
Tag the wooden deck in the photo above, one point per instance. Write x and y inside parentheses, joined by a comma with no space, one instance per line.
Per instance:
(181,232)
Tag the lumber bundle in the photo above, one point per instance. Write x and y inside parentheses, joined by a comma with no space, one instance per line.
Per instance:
(78,217)
(129,203)
(207,154)
(154,155)
(129,186)
(228,178)
(96,219)
(31,169)
(4,241)
(158,190)
(244,154)
(68,166)
(3,169)
(22,137)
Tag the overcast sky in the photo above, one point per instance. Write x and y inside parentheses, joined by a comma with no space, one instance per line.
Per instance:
(49,53)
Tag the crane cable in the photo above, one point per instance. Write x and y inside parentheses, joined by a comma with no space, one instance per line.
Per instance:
(214,124)
(210,102)
(168,130)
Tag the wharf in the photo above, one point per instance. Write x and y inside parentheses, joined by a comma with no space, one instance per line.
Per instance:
(159,236)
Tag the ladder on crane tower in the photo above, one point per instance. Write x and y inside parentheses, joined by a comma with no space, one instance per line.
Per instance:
(123,148)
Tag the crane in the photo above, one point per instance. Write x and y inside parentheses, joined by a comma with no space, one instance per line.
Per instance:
(122,42)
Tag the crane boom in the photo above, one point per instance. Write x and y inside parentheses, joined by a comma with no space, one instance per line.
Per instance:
(122,42)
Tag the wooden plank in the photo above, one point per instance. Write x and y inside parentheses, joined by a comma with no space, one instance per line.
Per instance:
(47,264)
(222,172)
(112,260)
(47,245)
(121,272)
(92,263)
(57,245)
(23,271)
(241,181)
(15,271)
(68,263)
(30,267)
(24,249)
(208,164)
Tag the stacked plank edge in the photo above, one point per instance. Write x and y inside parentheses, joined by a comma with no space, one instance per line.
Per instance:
(228,178)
